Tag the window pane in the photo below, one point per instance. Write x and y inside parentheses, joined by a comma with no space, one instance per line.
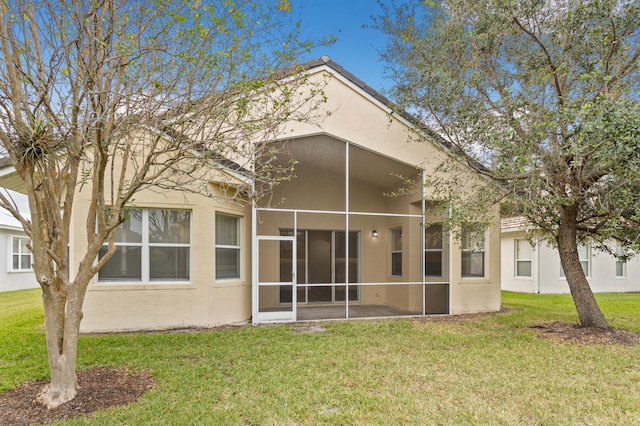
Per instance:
(433,237)
(25,261)
(585,267)
(583,251)
(169,263)
(319,294)
(169,226)
(619,268)
(472,239)
(226,230)
(124,265)
(23,246)
(286,294)
(396,239)
(523,250)
(16,262)
(16,245)
(340,263)
(433,263)
(130,231)
(472,264)
(319,267)
(396,263)
(523,268)
(227,263)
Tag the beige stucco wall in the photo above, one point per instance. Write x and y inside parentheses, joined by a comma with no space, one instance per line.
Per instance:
(201,302)
(469,295)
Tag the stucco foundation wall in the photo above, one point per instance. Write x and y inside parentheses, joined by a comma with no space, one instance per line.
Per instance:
(469,295)
(202,301)
(149,308)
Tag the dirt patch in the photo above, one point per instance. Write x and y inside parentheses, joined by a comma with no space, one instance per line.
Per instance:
(97,388)
(574,333)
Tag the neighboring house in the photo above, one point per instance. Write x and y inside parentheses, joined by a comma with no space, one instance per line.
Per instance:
(536,268)
(16,272)
(334,246)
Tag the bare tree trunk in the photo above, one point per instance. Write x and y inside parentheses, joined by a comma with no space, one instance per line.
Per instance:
(62,323)
(589,312)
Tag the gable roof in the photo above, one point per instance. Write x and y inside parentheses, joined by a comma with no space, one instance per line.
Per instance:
(324,61)
(413,121)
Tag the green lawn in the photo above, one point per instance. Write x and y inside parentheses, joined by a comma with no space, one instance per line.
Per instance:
(486,370)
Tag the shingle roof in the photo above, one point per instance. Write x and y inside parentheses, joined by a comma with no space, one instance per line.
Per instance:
(325,60)
(516,222)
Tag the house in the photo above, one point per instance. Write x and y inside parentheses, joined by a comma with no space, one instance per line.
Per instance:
(333,245)
(16,272)
(535,268)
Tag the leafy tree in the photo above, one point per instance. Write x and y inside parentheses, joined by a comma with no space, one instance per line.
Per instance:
(112,97)
(541,96)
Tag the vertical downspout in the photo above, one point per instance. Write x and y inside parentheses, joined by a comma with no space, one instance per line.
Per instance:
(254,251)
(450,263)
(422,261)
(537,283)
(346,230)
(294,267)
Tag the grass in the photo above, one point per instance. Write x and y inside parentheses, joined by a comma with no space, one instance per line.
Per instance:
(491,369)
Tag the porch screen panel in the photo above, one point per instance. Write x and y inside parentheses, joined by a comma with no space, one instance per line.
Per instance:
(273,257)
(340,265)
(375,179)
(320,177)
(388,300)
(286,252)
(319,258)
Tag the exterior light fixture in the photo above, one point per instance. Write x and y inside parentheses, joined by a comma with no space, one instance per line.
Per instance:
(374,233)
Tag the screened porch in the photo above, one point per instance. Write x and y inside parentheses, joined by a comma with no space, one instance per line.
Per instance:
(345,239)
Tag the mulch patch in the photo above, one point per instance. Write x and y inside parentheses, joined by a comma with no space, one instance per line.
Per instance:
(575,333)
(97,388)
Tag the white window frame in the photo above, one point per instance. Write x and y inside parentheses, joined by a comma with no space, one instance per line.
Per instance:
(145,270)
(479,248)
(620,264)
(10,267)
(434,250)
(519,259)
(587,259)
(237,247)
(395,250)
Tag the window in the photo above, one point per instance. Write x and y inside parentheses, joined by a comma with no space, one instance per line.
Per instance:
(21,257)
(473,250)
(396,251)
(620,264)
(227,246)
(433,250)
(523,258)
(583,254)
(152,245)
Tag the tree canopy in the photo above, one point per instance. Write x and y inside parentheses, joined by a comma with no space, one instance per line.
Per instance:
(541,96)
(112,97)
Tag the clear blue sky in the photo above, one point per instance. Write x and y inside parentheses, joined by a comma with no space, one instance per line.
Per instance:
(356,48)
